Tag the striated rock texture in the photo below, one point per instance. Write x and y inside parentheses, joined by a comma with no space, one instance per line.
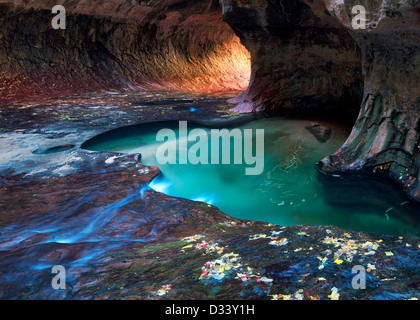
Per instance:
(305,55)
(169,45)
(118,239)
(305,59)
(386,137)
(302,59)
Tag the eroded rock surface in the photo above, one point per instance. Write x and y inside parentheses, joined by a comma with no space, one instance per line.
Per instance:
(302,59)
(172,45)
(386,137)
(306,54)
(306,58)
(94,214)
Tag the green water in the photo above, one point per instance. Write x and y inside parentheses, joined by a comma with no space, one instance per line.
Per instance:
(290,191)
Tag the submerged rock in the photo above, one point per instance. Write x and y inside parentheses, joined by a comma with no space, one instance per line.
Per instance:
(321,133)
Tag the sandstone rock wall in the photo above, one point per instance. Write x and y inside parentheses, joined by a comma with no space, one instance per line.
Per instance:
(386,137)
(305,58)
(302,59)
(169,45)
(306,54)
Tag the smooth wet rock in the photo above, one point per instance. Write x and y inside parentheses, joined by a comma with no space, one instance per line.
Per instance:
(54,149)
(137,157)
(118,239)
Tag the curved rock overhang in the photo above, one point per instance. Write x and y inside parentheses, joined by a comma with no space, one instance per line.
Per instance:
(161,45)
(305,58)
(306,55)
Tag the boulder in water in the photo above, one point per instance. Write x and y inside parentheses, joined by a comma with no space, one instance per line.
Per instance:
(321,133)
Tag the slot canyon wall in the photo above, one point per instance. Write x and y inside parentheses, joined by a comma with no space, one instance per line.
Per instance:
(305,58)
(386,137)
(163,45)
(301,62)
